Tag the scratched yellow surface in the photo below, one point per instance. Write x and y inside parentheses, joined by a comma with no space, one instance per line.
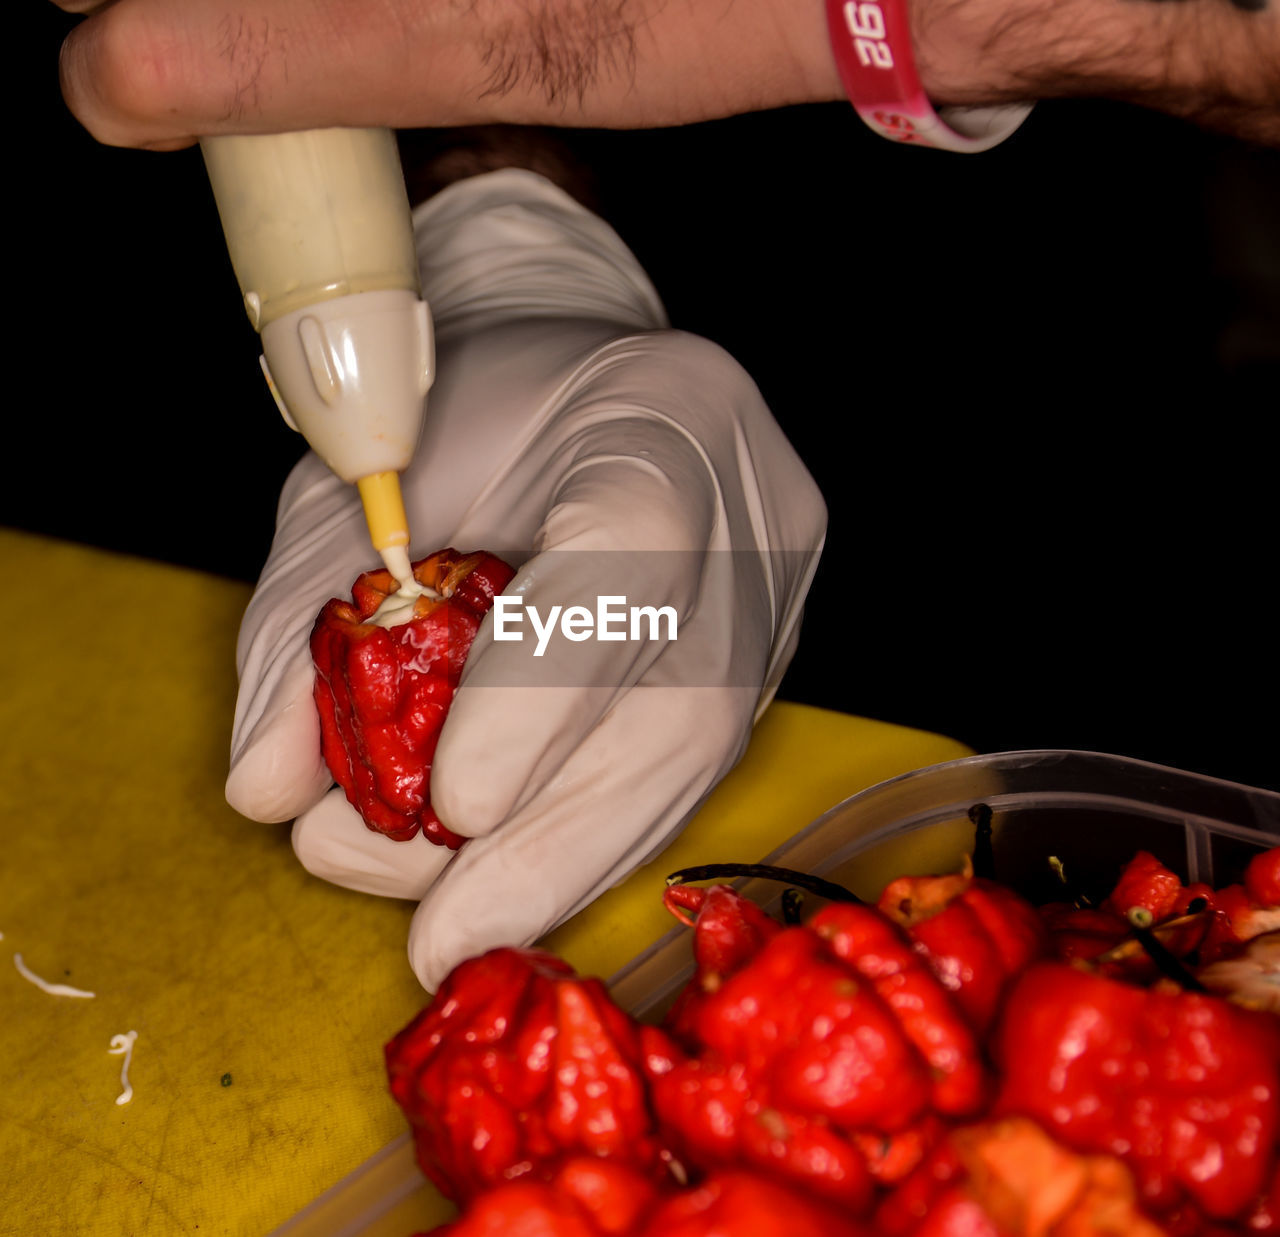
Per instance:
(261,997)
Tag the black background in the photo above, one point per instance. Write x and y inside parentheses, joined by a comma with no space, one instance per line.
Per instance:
(1038,388)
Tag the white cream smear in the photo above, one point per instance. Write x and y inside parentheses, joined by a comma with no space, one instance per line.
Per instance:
(123,1044)
(44,985)
(397,607)
(395,558)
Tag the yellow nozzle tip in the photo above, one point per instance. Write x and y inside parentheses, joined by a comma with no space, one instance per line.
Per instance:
(384,510)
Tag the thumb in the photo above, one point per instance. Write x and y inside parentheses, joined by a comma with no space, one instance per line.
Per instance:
(277,769)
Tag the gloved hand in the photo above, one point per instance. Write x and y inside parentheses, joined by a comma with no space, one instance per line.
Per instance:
(600,454)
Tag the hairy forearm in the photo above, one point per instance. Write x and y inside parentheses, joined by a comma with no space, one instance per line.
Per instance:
(150,72)
(1208,60)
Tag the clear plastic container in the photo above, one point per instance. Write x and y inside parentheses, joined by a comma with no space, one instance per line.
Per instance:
(1088,810)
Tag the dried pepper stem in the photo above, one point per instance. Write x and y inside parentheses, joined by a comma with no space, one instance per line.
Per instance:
(1140,921)
(763,871)
(984,859)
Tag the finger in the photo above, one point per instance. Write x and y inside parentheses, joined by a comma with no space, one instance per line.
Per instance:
(152,73)
(81,6)
(625,527)
(333,843)
(622,795)
(277,769)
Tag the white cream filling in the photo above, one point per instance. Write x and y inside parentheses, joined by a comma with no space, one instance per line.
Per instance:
(397,607)
(395,558)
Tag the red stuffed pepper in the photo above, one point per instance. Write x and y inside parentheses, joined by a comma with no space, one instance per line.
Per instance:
(383,692)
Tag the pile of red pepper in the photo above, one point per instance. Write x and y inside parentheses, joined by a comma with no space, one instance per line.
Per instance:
(951,1061)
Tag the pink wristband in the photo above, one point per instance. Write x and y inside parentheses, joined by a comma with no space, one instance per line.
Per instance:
(871,40)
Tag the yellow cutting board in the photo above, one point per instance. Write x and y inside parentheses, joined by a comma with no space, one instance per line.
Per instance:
(261,997)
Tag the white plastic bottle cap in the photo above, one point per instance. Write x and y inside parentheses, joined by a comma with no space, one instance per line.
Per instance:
(351,374)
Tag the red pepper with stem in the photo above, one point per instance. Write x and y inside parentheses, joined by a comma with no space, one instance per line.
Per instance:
(1151,892)
(1195,922)
(728,931)
(1147,883)
(383,692)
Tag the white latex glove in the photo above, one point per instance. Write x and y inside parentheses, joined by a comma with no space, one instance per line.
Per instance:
(599,453)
